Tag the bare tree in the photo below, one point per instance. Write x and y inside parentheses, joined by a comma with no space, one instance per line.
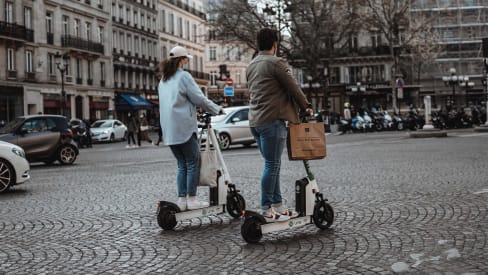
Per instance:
(309,30)
(392,18)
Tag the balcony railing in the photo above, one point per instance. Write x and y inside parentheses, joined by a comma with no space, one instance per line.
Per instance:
(30,76)
(79,80)
(89,81)
(16,31)
(102,83)
(11,74)
(82,44)
(50,38)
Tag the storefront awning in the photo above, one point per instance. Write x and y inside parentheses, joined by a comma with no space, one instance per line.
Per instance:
(126,101)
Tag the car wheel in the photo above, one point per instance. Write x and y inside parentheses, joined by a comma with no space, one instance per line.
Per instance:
(224,141)
(112,138)
(7,175)
(124,138)
(67,155)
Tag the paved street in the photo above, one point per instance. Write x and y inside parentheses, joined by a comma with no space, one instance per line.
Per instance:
(402,205)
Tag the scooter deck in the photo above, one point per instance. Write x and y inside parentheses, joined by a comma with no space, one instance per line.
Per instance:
(281,225)
(201,212)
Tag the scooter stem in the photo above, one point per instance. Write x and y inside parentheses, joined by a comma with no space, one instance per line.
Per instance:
(307,169)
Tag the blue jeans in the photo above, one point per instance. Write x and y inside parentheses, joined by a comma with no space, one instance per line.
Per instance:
(271,142)
(187,155)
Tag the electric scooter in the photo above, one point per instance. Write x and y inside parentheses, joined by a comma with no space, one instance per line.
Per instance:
(310,207)
(223,197)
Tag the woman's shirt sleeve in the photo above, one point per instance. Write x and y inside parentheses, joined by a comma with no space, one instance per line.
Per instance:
(196,96)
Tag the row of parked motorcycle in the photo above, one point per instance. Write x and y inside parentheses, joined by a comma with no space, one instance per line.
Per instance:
(365,121)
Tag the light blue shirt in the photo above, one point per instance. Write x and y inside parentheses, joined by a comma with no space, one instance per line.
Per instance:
(178,98)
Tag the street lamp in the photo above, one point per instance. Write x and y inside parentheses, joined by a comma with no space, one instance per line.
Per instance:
(452,80)
(62,65)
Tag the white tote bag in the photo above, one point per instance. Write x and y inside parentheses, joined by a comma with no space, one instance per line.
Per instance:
(208,163)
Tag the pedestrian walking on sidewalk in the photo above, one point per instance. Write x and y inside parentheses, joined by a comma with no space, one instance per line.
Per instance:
(143,130)
(179,97)
(131,130)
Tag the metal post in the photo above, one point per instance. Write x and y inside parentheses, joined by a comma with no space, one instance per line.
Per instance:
(427,103)
(486,88)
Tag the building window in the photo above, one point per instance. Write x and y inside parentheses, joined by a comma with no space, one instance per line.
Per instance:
(180,27)
(28,61)
(50,62)
(90,70)
(136,44)
(100,34)
(194,33)
(121,11)
(121,41)
(375,40)
(213,53)
(171,24)
(28,17)
(65,25)
(114,10)
(129,43)
(163,21)
(9,12)
(78,68)
(10,59)
(143,23)
(187,25)
(67,61)
(135,18)
(102,71)
(49,22)
(88,31)
(127,12)
(114,39)
(76,27)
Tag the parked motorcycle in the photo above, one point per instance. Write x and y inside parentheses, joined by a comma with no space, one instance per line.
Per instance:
(81,133)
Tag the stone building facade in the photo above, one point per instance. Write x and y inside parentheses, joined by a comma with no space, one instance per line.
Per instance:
(33,34)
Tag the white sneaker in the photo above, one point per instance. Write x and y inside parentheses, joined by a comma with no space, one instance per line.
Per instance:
(181,203)
(127,146)
(270,215)
(193,203)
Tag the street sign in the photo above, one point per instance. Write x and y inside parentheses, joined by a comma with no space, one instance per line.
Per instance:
(228,91)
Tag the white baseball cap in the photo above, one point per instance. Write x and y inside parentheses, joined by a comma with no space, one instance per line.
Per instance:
(179,51)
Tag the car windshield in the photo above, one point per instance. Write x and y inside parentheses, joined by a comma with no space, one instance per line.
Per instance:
(102,124)
(9,127)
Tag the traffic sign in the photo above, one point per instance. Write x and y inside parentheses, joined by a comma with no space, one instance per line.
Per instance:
(228,91)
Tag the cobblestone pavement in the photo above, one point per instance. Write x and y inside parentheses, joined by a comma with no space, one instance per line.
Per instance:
(403,205)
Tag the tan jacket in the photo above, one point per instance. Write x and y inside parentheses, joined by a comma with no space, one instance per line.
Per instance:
(274,93)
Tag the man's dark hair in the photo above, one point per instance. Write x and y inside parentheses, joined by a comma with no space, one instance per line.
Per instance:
(266,37)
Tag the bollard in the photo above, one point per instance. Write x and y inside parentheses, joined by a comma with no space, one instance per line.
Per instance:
(428,110)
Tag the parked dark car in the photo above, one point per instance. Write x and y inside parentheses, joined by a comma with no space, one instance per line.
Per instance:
(45,138)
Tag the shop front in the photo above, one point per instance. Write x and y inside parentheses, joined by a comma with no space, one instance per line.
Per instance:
(11,103)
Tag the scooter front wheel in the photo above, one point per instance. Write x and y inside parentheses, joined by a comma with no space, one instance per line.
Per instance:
(235,205)
(251,230)
(323,215)
(166,217)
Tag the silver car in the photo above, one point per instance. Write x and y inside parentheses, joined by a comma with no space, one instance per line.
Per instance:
(108,130)
(233,127)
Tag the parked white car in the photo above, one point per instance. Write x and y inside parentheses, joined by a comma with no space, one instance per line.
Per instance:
(14,167)
(233,127)
(108,130)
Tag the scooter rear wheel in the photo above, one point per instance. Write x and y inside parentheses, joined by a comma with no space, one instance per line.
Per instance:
(235,205)
(166,217)
(323,215)
(251,230)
